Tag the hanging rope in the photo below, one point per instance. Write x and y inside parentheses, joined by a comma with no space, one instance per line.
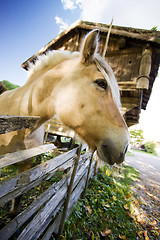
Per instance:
(107,40)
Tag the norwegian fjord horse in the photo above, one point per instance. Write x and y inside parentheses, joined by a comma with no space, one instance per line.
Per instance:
(80,88)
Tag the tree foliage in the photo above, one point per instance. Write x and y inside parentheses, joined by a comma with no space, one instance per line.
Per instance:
(136,137)
(9,85)
(150,147)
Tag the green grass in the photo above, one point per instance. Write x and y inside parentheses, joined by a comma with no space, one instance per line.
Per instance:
(106,209)
(129,154)
(136,150)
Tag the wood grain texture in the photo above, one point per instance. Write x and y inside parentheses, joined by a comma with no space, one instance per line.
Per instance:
(13,123)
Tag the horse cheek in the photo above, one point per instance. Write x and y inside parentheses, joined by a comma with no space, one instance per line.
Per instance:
(69,115)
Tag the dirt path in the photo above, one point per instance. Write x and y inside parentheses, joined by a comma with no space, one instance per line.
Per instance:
(147,191)
(148,165)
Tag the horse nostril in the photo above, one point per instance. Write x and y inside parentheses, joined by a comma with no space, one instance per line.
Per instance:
(126,148)
(111,152)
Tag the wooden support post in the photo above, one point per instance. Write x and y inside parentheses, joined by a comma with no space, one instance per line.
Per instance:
(100,164)
(72,143)
(89,168)
(96,165)
(46,134)
(107,40)
(141,99)
(69,191)
(145,68)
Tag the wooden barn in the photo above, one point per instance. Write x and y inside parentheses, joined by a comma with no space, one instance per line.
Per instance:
(133,54)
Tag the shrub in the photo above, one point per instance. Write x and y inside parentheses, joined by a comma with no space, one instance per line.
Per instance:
(150,147)
(136,137)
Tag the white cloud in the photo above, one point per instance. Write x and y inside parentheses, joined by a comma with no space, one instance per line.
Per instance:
(63,25)
(72,4)
(95,10)
(69,4)
(138,14)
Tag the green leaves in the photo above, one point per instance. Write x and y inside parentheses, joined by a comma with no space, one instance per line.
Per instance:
(150,147)
(136,136)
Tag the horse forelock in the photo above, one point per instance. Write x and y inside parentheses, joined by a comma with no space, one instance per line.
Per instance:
(108,74)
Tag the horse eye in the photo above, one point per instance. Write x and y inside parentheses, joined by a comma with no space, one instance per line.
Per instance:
(101,83)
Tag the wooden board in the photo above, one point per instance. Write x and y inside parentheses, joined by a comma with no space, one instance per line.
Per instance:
(16,157)
(49,209)
(13,123)
(32,177)
(26,180)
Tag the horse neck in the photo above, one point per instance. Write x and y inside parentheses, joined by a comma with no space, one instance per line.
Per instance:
(42,93)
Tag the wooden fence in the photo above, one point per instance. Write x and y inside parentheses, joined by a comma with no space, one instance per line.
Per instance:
(47,213)
(55,127)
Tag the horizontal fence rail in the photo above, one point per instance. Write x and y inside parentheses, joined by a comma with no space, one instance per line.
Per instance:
(12,123)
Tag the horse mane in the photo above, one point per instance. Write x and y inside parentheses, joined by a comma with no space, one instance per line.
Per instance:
(108,74)
(52,58)
(49,60)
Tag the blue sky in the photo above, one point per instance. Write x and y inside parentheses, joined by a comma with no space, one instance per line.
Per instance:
(26,26)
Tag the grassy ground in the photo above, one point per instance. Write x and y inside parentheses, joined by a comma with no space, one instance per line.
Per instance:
(109,210)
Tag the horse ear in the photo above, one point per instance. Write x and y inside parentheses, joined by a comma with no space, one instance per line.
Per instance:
(89,46)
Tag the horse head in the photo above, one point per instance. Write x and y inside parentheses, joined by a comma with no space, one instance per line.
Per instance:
(87,100)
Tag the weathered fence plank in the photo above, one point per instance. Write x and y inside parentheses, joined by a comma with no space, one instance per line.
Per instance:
(77,187)
(12,158)
(29,232)
(19,220)
(46,206)
(10,123)
(88,174)
(74,198)
(22,181)
(32,233)
(53,199)
(54,126)
(69,190)
(27,180)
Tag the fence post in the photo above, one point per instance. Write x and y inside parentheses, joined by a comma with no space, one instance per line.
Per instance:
(69,191)
(96,165)
(46,134)
(89,168)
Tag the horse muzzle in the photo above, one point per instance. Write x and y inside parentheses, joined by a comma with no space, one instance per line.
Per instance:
(112,152)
